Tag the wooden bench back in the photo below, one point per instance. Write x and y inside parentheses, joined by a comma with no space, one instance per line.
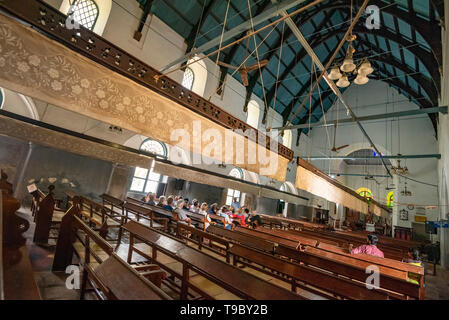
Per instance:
(354,268)
(43,218)
(113,276)
(325,284)
(112,200)
(223,274)
(238,237)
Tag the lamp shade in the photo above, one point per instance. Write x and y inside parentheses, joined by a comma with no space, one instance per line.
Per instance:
(348,65)
(361,79)
(343,82)
(365,69)
(335,74)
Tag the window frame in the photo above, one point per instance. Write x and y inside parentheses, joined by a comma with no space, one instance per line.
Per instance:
(147,179)
(96,17)
(193,78)
(240,171)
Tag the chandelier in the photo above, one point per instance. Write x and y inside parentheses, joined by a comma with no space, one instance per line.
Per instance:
(340,74)
(399,170)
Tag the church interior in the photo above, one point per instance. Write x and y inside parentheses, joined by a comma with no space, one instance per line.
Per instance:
(224,150)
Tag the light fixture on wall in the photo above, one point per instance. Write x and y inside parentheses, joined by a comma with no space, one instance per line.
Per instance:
(115,129)
(405,192)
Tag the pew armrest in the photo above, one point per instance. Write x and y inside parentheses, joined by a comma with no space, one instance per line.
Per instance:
(155,276)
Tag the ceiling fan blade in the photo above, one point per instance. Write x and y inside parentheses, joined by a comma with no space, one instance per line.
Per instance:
(223,64)
(244,76)
(255,66)
(342,147)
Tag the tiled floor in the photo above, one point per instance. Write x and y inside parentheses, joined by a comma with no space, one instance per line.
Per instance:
(52,284)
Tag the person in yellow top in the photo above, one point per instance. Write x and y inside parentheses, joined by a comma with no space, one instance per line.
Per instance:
(413,258)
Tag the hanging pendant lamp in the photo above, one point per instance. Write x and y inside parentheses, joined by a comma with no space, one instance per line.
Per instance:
(343,82)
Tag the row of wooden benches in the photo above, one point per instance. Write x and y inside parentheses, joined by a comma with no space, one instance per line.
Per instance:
(271,242)
(392,249)
(289,239)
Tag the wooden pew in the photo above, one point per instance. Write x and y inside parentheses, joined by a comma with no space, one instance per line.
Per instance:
(307,278)
(112,205)
(393,274)
(140,211)
(345,241)
(238,282)
(97,216)
(287,223)
(109,278)
(198,237)
(238,237)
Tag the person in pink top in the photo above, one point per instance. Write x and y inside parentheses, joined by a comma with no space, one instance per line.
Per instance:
(369,248)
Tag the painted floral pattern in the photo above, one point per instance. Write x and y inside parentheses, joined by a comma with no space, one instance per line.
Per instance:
(43,69)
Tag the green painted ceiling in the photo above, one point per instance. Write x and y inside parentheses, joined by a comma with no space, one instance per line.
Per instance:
(405,51)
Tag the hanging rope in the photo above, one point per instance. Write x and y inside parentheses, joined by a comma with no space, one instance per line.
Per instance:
(244,61)
(199,25)
(258,60)
(279,68)
(306,7)
(334,55)
(222,33)
(324,114)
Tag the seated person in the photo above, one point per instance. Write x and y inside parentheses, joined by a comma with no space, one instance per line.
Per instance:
(146,198)
(369,248)
(186,204)
(254,219)
(235,204)
(152,200)
(413,257)
(196,207)
(180,212)
(239,218)
(169,205)
(207,220)
(213,208)
(224,213)
(162,202)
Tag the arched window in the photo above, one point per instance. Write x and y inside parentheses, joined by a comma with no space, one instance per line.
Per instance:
(1,98)
(365,192)
(145,180)
(390,200)
(154,146)
(253,114)
(236,173)
(187,80)
(85,12)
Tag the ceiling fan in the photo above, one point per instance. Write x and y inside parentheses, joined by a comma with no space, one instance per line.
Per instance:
(334,149)
(243,70)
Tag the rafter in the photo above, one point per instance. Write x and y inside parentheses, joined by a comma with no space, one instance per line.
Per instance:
(190,40)
(424,27)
